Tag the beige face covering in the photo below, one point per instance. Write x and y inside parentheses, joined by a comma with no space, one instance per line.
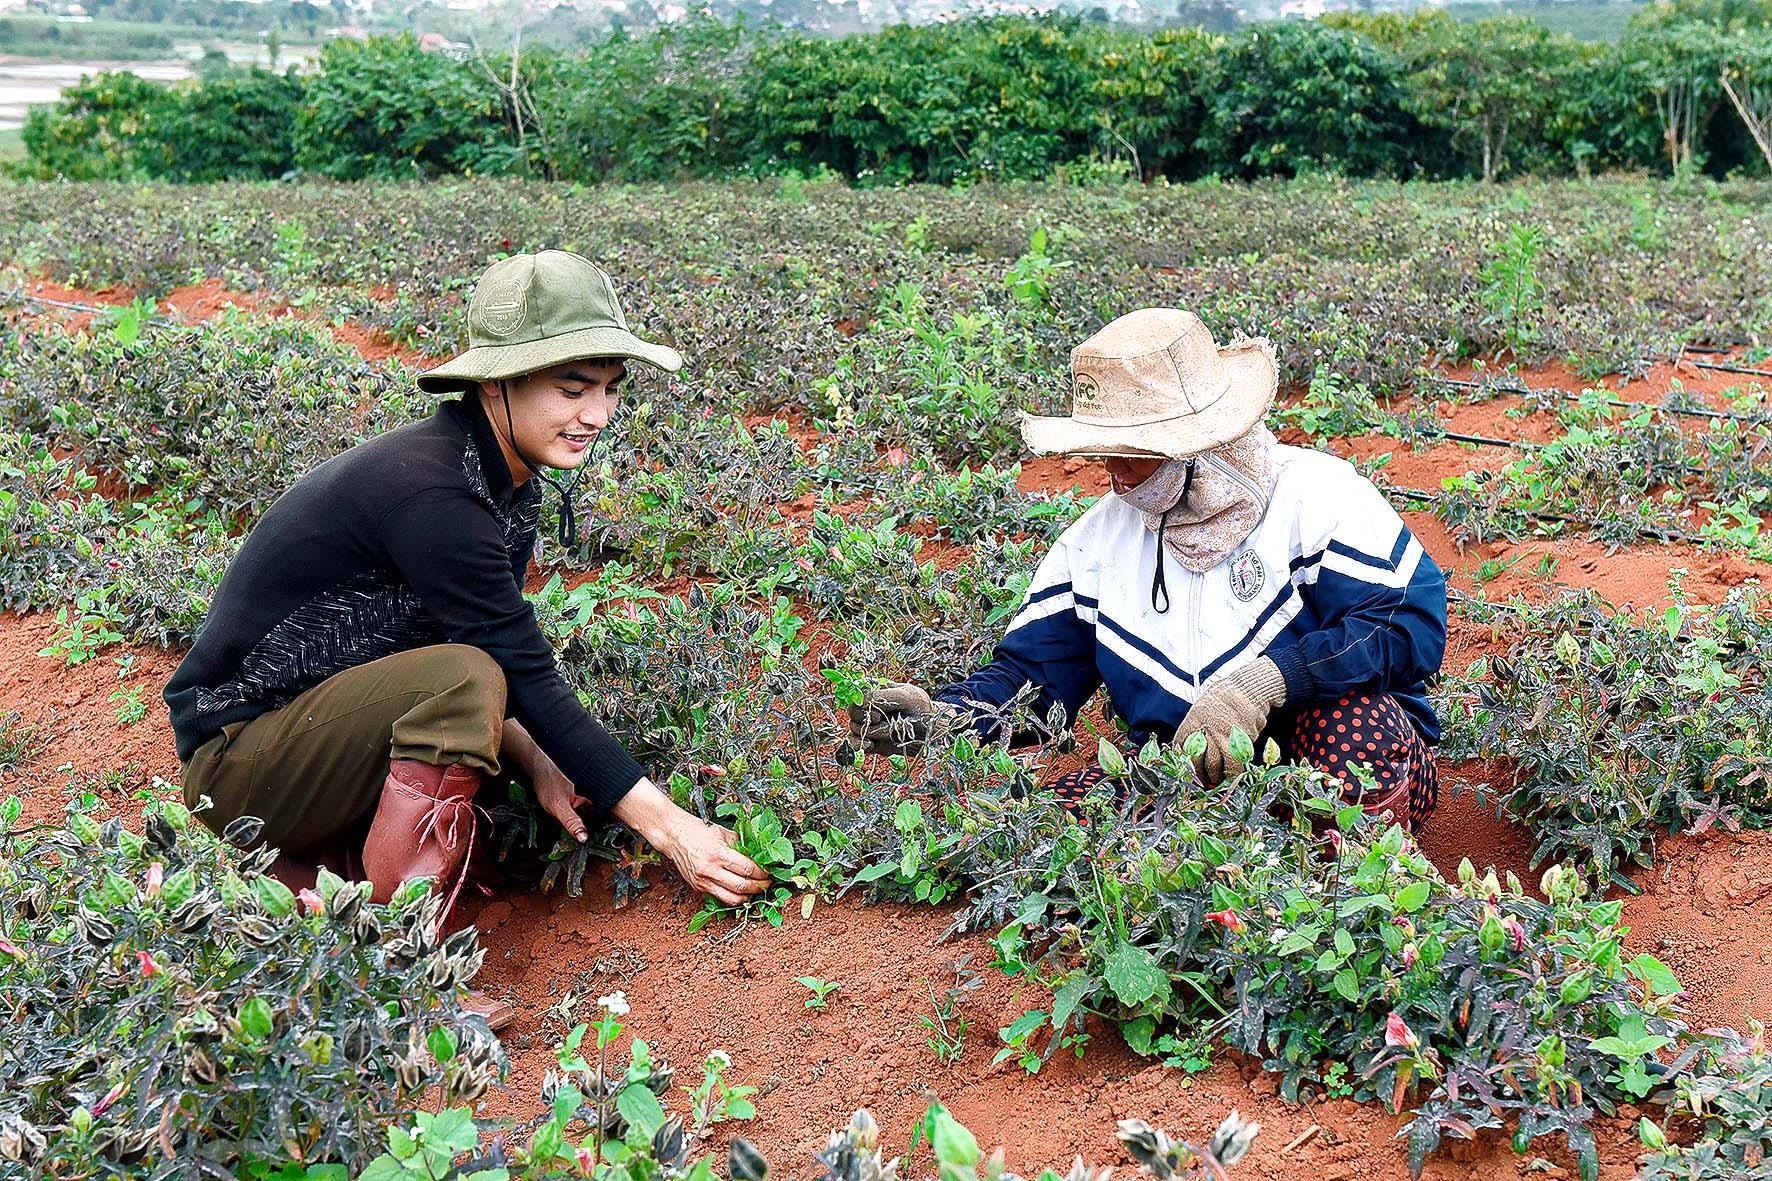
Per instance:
(1206,506)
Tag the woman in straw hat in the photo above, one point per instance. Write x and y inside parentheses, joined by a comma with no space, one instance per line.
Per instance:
(1228,582)
(369,658)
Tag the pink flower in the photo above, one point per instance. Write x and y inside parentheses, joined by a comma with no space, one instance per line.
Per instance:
(7,948)
(150,969)
(1333,836)
(1410,955)
(111,1096)
(156,875)
(896,457)
(804,564)
(312,901)
(587,1160)
(1512,926)
(1397,1033)
(1228,919)
(713,769)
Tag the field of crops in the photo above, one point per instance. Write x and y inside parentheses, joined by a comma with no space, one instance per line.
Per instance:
(1563,388)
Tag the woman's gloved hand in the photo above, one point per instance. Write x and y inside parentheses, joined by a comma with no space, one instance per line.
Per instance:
(897,719)
(1241,700)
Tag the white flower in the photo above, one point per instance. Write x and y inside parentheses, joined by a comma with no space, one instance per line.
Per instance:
(719,1059)
(616,1002)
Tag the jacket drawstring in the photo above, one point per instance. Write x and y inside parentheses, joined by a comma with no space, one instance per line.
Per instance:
(1160,582)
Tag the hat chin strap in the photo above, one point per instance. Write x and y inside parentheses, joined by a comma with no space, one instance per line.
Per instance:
(568,515)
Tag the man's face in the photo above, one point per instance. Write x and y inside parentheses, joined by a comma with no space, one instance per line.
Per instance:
(556,412)
(1127,472)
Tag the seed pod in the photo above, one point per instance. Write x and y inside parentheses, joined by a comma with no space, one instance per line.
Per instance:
(345,904)
(201,1068)
(440,972)
(194,914)
(410,1072)
(365,928)
(470,1079)
(667,1142)
(1230,1143)
(744,1162)
(257,929)
(659,1081)
(242,831)
(94,927)
(35,903)
(160,833)
(357,1042)
(20,1140)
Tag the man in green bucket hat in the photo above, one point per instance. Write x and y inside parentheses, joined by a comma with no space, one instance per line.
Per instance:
(369,658)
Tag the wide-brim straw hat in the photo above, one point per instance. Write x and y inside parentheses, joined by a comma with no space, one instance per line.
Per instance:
(1155,383)
(534,311)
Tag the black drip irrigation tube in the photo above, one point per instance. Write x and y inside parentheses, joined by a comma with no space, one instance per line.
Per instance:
(1648,531)
(1621,403)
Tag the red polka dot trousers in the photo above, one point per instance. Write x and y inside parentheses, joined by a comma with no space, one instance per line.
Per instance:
(1367,731)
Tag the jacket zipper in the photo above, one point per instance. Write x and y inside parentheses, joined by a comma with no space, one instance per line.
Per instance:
(1195,580)
(1244,482)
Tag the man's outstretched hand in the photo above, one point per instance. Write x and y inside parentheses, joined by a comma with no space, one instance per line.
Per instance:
(702,852)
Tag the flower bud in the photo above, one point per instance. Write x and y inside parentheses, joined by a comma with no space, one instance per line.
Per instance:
(744,1162)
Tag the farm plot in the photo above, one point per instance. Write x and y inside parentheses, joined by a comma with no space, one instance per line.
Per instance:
(833,492)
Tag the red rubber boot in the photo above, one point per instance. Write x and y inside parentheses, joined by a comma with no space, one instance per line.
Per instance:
(424,826)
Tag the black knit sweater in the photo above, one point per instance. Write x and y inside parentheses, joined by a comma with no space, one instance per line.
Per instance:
(415,537)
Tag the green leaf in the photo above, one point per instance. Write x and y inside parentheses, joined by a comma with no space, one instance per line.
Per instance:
(255,1018)
(1344,942)
(1138,1033)
(908,817)
(384,1168)
(640,1107)
(1240,746)
(277,899)
(1068,997)
(1347,984)
(178,887)
(451,1129)
(1413,897)
(1134,975)
(1657,975)
(874,873)
(442,1043)
(116,892)
(1110,758)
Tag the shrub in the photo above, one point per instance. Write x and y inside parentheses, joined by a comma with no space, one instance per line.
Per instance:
(172,1003)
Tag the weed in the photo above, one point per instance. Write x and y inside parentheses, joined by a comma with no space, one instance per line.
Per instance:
(1513,294)
(20,741)
(130,706)
(821,990)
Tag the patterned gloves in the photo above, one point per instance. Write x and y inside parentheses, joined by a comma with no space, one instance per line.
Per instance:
(1242,699)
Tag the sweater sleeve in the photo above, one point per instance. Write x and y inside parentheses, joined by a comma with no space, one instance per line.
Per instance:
(448,548)
(1379,600)
(1048,645)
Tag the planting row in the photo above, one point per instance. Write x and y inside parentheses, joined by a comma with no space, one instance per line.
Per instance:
(173,1011)
(772,291)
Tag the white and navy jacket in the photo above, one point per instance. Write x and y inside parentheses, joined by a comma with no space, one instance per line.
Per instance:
(1331,586)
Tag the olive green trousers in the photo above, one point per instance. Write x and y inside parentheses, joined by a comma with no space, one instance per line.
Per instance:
(313,770)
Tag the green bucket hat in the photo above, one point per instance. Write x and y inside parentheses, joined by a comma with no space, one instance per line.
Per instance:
(533,311)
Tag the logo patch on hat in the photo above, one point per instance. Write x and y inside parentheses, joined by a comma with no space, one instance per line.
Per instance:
(1248,575)
(1085,395)
(503,308)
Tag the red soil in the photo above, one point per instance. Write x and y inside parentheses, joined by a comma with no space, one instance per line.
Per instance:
(1704,911)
